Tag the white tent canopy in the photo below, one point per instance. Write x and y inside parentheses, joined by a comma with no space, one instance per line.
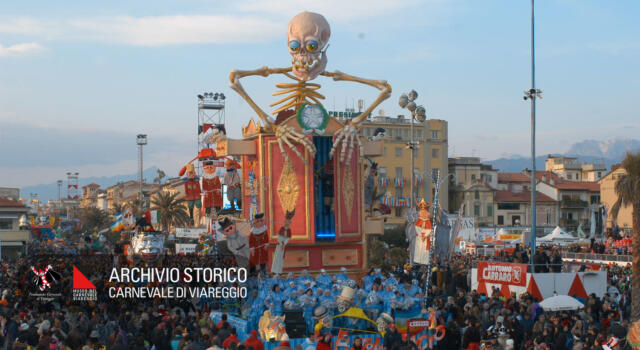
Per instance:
(557,235)
(561,303)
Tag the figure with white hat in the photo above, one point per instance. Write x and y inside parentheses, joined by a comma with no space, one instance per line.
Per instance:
(237,243)
(424,230)
(284,235)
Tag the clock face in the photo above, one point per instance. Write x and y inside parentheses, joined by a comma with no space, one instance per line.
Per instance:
(313,118)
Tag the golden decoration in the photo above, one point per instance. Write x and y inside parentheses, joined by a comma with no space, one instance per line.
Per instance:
(348,188)
(288,187)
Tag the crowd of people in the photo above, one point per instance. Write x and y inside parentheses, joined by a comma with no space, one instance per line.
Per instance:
(471,320)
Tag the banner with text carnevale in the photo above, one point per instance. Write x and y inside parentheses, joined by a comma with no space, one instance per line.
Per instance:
(502,273)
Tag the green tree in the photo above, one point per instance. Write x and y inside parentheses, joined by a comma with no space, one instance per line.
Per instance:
(172,211)
(117,208)
(94,219)
(627,188)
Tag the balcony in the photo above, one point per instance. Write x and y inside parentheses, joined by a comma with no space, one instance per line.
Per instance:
(573,204)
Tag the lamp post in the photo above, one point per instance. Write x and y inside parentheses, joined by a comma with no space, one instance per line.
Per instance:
(531,95)
(417,113)
(141,140)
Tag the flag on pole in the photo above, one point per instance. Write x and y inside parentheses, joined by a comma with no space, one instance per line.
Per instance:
(118,224)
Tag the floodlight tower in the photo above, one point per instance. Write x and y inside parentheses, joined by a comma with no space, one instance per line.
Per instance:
(210,118)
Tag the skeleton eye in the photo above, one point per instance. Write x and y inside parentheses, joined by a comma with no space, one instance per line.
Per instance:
(294,45)
(312,45)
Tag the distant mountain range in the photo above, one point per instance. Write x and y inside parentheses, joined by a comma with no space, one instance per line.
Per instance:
(587,151)
(50,191)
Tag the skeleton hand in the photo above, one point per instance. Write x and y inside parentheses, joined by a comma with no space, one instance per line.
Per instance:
(287,135)
(349,138)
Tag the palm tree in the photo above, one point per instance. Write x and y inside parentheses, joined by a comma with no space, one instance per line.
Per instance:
(627,188)
(172,211)
(94,219)
(117,208)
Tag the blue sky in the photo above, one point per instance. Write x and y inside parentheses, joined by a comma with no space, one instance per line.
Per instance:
(78,81)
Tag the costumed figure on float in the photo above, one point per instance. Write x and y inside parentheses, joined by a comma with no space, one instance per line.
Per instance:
(212,188)
(284,235)
(233,182)
(258,242)
(423,231)
(192,190)
(237,243)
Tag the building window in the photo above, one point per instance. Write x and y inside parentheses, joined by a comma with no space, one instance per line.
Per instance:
(398,151)
(569,177)
(595,199)
(434,134)
(490,210)
(599,174)
(435,153)
(473,177)
(476,209)
(399,171)
(476,195)
(6,224)
(500,220)
(508,206)
(515,220)
(406,133)
(382,171)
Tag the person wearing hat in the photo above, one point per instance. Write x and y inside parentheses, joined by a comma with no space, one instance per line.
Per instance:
(253,341)
(192,190)
(212,188)
(308,303)
(258,241)
(392,338)
(237,243)
(324,279)
(233,182)
(284,235)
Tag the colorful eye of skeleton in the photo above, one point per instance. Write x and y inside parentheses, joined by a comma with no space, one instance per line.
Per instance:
(308,61)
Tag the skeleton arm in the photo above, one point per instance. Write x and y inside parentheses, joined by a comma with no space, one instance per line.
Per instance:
(348,135)
(284,134)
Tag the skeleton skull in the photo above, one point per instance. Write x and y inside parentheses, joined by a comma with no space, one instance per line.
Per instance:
(308,34)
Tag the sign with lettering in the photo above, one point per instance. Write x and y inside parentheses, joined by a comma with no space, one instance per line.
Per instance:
(185,248)
(502,273)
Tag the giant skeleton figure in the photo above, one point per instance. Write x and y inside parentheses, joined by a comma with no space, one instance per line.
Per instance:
(308,36)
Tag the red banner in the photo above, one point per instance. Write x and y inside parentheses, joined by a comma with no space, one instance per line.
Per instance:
(502,273)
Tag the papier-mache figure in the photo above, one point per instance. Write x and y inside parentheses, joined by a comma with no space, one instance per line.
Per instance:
(233,182)
(383,322)
(258,242)
(284,235)
(424,230)
(192,189)
(212,188)
(237,243)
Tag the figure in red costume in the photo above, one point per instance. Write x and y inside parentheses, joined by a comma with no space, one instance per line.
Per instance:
(258,242)
(192,190)
(424,230)
(212,188)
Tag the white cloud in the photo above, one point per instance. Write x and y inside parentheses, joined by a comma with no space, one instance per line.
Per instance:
(20,49)
(151,30)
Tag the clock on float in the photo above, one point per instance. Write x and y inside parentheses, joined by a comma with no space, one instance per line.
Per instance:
(313,118)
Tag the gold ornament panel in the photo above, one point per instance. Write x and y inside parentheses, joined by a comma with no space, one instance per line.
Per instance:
(288,187)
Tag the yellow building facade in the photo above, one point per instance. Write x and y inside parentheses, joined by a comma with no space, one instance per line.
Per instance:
(394,166)
(608,197)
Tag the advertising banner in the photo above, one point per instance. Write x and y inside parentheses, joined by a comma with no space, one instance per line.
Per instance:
(467,228)
(189,232)
(185,248)
(502,273)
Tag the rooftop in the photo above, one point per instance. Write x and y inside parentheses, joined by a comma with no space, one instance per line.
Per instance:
(513,177)
(554,180)
(524,196)
(7,202)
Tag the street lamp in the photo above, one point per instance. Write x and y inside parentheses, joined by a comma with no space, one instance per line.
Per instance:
(141,140)
(417,113)
(532,94)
